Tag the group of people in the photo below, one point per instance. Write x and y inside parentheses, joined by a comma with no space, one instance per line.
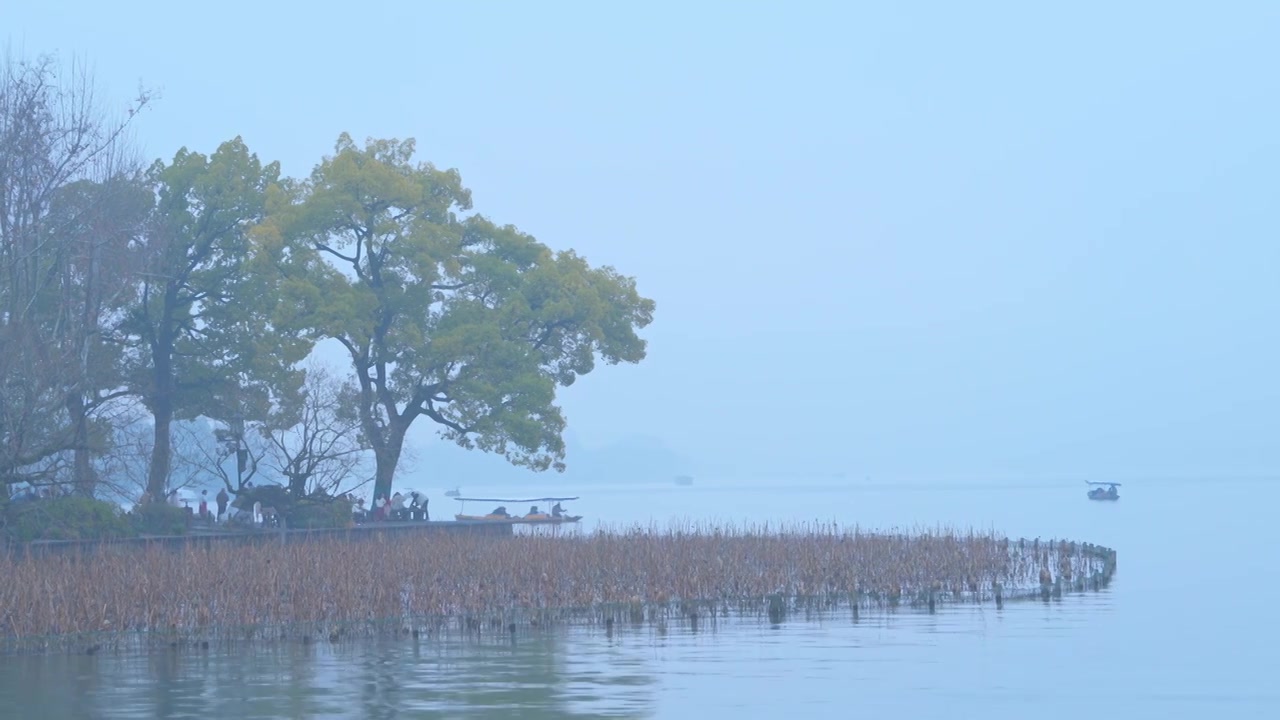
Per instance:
(221,511)
(400,506)
(556,511)
(202,511)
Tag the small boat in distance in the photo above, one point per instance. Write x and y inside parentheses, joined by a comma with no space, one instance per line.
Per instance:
(453,493)
(1098,493)
(556,516)
(684,479)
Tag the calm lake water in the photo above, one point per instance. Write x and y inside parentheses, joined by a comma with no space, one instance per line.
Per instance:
(1185,631)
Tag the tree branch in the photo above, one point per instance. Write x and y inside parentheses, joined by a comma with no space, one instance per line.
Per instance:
(323,247)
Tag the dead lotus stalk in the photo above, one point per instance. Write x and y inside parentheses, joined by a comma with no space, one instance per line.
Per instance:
(342,589)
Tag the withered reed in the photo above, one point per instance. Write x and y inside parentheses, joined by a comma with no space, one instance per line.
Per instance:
(330,589)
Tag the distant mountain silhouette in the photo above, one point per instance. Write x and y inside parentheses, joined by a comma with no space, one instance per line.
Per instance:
(632,459)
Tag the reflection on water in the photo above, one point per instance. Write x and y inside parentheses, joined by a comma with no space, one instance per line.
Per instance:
(749,667)
(530,677)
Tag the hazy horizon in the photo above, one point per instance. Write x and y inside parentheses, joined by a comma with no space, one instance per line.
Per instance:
(993,240)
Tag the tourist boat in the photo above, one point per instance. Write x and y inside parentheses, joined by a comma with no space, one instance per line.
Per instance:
(534,517)
(1107,493)
(453,493)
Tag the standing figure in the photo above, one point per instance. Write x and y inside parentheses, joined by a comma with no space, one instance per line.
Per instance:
(222,499)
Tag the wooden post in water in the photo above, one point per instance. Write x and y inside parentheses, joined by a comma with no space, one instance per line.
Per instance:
(777,611)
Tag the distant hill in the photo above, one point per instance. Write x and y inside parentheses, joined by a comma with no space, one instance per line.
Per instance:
(634,459)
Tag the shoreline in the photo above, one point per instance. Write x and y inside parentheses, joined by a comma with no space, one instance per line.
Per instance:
(258,536)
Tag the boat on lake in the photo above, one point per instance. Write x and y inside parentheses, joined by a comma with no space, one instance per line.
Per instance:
(1104,493)
(453,493)
(535,516)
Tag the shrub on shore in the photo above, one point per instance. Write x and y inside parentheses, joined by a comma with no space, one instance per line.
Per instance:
(159,519)
(65,518)
(318,512)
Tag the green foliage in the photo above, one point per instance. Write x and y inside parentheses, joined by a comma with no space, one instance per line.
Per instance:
(315,512)
(202,293)
(272,496)
(159,519)
(308,512)
(65,518)
(204,343)
(217,276)
(461,320)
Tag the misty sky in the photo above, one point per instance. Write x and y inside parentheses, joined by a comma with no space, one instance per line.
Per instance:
(954,239)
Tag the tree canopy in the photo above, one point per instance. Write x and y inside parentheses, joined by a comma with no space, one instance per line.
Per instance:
(190,293)
(454,318)
(204,343)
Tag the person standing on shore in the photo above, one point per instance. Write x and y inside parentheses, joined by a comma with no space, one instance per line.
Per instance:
(222,499)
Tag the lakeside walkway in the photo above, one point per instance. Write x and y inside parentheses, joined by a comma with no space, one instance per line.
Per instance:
(210,535)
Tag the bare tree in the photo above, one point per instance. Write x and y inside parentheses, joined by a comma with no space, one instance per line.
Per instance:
(313,442)
(318,446)
(122,468)
(71,204)
(199,457)
(202,451)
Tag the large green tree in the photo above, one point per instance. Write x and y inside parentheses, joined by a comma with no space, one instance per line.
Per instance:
(454,318)
(201,327)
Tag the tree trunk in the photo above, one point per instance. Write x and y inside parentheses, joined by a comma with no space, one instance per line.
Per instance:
(86,479)
(386,458)
(297,484)
(158,477)
(162,410)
